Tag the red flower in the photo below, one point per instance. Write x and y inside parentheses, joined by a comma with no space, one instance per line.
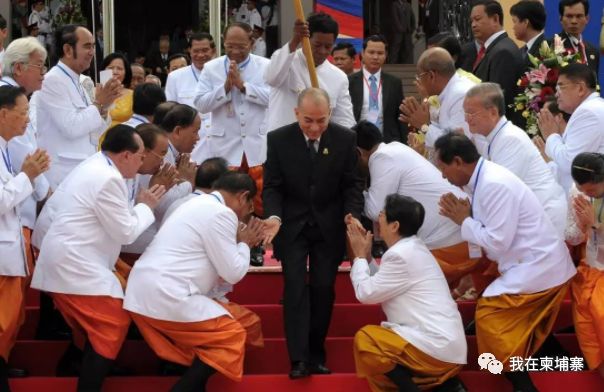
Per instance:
(552,76)
(546,91)
(524,81)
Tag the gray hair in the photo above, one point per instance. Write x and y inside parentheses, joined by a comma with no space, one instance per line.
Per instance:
(491,96)
(317,95)
(19,51)
(437,60)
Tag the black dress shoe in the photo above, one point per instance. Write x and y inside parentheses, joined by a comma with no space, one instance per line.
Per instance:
(257,256)
(299,370)
(319,369)
(17,373)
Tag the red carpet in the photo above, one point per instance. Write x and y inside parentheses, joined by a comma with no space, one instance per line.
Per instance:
(266,369)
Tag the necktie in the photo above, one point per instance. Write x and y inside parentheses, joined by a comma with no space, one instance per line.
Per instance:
(479,56)
(312,152)
(373,94)
(524,51)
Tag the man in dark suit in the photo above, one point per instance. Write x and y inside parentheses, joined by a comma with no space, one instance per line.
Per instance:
(528,18)
(375,94)
(574,16)
(498,59)
(431,18)
(156,61)
(310,186)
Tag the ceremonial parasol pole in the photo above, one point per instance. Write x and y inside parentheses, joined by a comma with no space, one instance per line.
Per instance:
(310,62)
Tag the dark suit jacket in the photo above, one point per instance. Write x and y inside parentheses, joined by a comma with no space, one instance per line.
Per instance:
(533,51)
(392,96)
(593,54)
(467,56)
(502,64)
(300,191)
(154,60)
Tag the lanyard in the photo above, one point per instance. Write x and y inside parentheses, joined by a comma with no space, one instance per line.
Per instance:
(173,151)
(78,89)
(108,160)
(140,119)
(7,162)
(7,83)
(493,139)
(376,98)
(240,66)
(194,74)
(216,197)
(475,186)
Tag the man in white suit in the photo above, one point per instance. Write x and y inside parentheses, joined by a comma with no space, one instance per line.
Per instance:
(169,294)
(507,221)
(436,76)
(231,87)
(502,142)
(287,74)
(79,252)
(14,188)
(413,347)
(576,93)
(73,121)
(182,85)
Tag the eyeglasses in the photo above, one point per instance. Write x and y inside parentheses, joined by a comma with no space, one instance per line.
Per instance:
(472,115)
(156,154)
(418,77)
(563,86)
(43,69)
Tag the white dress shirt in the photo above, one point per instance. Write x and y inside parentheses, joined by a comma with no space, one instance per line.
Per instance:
(450,114)
(509,146)
(396,168)
(259,47)
(13,190)
(72,125)
(509,223)
(594,249)
(181,86)
(380,90)
(415,297)
(287,74)
(172,279)
(238,119)
(584,133)
(19,147)
(79,252)
(135,120)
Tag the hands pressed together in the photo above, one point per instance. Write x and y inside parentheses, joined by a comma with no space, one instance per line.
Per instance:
(455,208)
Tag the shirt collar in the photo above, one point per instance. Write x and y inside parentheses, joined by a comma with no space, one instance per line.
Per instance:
(380,147)
(367,75)
(219,196)
(469,188)
(531,42)
(499,124)
(10,81)
(454,79)
(307,138)
(72,74)
(492,38)
(3,143)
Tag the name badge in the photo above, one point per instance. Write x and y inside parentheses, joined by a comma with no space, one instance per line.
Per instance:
(474,250)
(373,116)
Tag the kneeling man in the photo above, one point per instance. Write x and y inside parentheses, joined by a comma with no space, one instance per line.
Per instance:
(422,343)
(171,287)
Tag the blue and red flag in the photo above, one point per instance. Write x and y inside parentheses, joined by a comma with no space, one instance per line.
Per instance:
(349,15)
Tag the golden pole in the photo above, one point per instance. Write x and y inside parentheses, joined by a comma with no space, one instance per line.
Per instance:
(310,62)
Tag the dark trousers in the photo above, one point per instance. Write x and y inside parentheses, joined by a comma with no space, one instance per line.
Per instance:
(308,298)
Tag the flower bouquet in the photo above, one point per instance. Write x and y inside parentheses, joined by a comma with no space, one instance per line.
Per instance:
(539,82)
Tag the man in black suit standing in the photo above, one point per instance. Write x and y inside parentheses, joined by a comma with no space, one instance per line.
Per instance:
(310,187)
(375,94)
(493,57)
(528,18)
(574,17)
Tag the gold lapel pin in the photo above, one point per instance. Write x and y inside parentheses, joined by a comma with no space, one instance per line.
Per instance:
(325,151)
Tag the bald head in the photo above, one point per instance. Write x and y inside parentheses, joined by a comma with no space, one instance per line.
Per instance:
(313,95)
(437,60)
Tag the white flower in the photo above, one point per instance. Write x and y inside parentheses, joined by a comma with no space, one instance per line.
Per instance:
(558,45)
